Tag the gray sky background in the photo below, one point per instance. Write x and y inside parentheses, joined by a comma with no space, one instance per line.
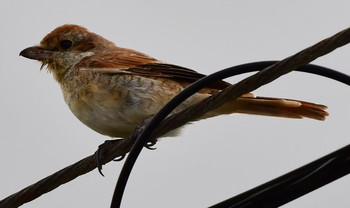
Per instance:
(211,160)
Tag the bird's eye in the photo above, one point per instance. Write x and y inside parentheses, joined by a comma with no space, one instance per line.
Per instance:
(66,44)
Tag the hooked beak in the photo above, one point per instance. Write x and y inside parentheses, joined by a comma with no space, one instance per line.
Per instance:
(36,53)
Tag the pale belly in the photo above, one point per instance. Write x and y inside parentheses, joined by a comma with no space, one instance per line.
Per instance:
(116,110)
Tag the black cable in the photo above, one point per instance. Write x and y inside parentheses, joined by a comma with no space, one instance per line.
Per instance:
(187,92)
(294,184)
(310,68)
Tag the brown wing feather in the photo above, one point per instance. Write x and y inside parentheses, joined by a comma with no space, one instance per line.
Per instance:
(132,62)
(177,73)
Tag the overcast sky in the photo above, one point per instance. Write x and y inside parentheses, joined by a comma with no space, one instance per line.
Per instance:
(211,160)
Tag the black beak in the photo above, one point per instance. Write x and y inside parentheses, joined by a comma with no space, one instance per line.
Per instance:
(36,53)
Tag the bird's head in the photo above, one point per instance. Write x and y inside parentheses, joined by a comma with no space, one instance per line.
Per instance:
(65,46)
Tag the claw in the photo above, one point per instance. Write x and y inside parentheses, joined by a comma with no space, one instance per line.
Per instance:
(98,163)
(100,171)
(119,158)
(150,145)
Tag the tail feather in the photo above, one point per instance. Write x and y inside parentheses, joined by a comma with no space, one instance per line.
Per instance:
(272,107)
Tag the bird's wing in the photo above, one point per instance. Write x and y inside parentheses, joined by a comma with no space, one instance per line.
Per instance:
(136,63)
(173,72)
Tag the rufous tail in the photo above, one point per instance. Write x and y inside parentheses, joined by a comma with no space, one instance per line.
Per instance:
(272,107)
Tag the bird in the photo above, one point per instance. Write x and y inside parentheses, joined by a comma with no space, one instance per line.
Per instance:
(112,89)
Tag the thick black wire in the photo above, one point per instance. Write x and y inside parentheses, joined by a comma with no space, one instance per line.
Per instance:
(295,183)
(190,90)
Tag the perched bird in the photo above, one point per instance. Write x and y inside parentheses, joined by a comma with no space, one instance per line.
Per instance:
(112,89)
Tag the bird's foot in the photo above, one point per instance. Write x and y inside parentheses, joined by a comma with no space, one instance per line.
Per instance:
(102,151)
